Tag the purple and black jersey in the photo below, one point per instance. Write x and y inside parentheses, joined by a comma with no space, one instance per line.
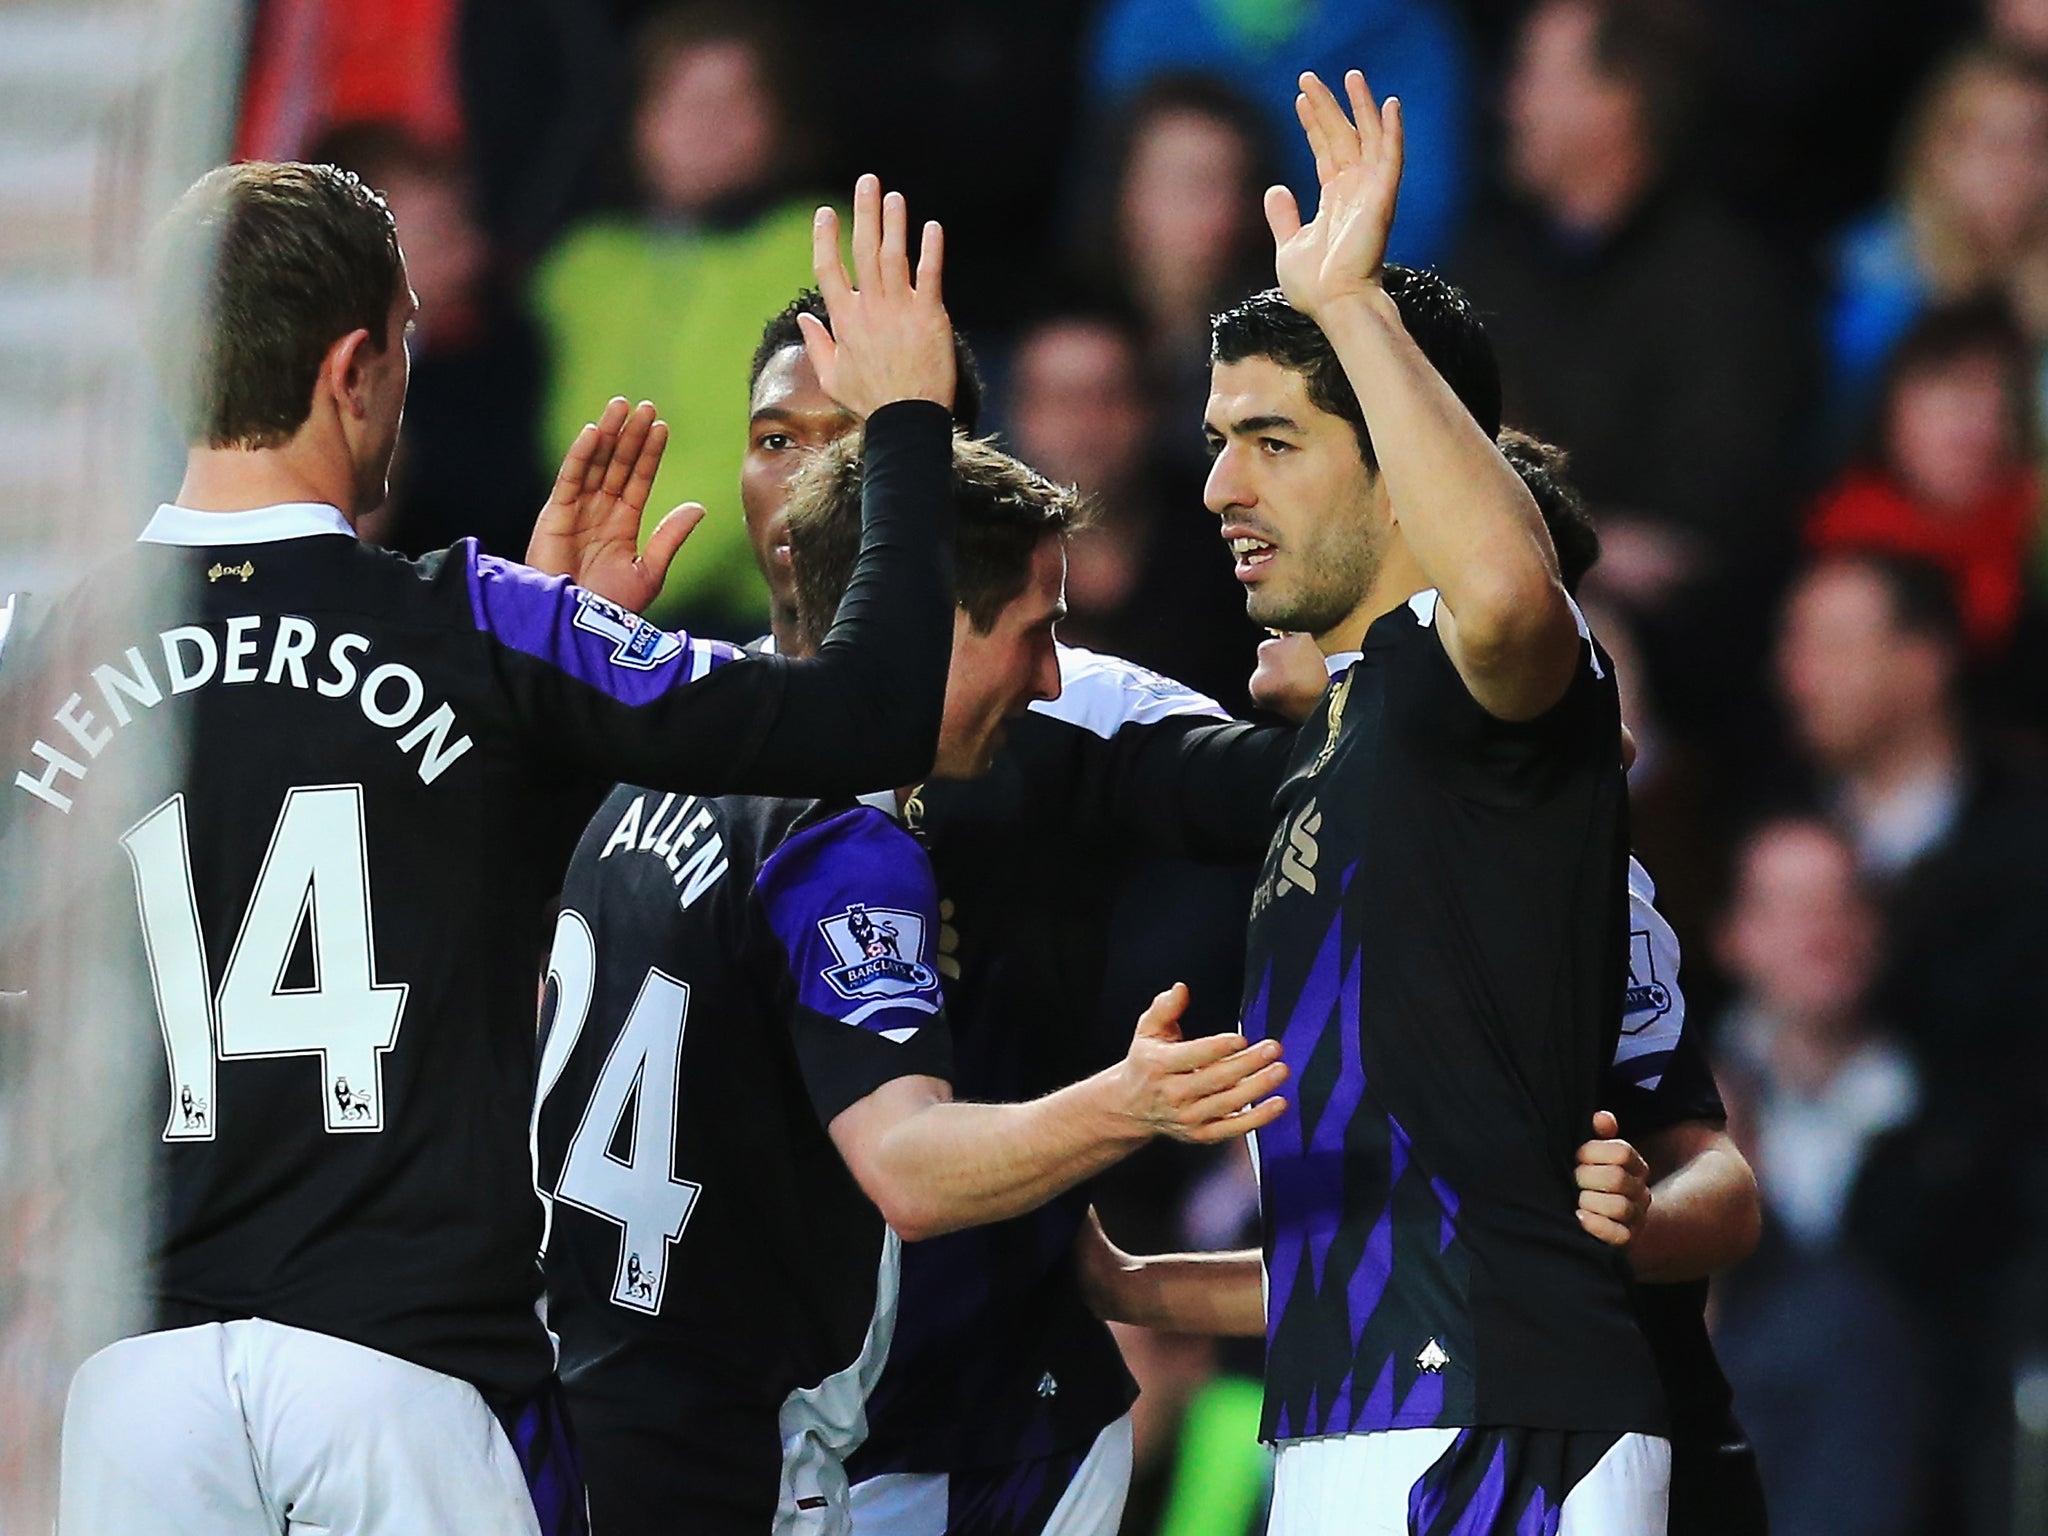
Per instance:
(1437,938)
(997,1361)
(728,976)
(293,811)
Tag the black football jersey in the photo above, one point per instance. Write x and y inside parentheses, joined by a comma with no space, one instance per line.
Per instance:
(1437,938)
(996,1357)
(728,975)
(292,812)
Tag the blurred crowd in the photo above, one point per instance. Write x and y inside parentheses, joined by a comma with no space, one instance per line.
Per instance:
(1776,276)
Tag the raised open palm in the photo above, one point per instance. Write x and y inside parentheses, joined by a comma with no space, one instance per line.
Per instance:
(589,530)
(1338,253)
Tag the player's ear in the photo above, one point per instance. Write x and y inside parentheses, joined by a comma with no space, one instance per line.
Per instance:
(342,371)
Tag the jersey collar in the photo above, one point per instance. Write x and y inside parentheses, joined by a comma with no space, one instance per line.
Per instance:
(884,800)
(264,525)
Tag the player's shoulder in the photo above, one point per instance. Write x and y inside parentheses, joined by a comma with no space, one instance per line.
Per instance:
(1409,642)
(822,850)
(1101,694)
(1419,616)
(848,887)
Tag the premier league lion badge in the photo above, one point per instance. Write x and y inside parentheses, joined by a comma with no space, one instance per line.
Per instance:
(879,950)
(635,642)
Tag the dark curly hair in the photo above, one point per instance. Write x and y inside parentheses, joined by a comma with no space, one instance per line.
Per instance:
(1438,316)
(782,332)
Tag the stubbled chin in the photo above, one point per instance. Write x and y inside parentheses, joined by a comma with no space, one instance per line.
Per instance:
(1263,606)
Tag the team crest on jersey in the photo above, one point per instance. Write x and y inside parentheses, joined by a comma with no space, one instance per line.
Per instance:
(635,642)
(1339,697)
(1647,999)
(879,950)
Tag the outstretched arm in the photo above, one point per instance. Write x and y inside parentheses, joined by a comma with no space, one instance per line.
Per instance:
(682,713)
(1462,510)
(1688,1209)
(1219,1293)
(868,703)
(933,1166)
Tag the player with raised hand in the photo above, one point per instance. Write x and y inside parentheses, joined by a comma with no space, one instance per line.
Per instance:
(1683,1207)
(1437,936)
(748,1069)
(323,795)
(998,1379)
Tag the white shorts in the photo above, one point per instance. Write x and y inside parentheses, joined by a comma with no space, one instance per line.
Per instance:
(255,1429)
(1088,1500)
(1417,1482)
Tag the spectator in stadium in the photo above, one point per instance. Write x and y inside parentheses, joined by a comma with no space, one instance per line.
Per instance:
(468,462)
(1954,834)
(1968,217)
(2020,26)
(1799,942)
(1826,1364)
(669,304)
(1414,49)
(1639,325)
(1949,477)
(548,122)
(1817,1348)
(1175,233)
(1147,580)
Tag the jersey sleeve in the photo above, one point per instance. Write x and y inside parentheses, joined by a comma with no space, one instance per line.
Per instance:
(855,913)
(1152,763)
(1476,754)
(600,689)
(1660,1076)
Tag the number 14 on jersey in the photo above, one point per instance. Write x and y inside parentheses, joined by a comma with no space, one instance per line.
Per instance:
(316,879)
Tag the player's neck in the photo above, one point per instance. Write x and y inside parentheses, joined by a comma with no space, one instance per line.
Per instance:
(243,479)
(782,627)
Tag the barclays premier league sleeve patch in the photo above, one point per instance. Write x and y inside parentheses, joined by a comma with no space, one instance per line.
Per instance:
(1647,999)
(1652,1008)
(880,965)
(635,643)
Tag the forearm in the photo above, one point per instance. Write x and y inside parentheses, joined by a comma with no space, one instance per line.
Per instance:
(1196,789)
(1209,1293)
(1464,513)
(954,1165)
(863,714)
(1704,1217)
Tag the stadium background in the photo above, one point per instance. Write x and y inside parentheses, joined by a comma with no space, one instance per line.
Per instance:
(1776,274)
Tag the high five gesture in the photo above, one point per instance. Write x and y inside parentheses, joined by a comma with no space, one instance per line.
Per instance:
(589,530)
(1338,254)
(890,338)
